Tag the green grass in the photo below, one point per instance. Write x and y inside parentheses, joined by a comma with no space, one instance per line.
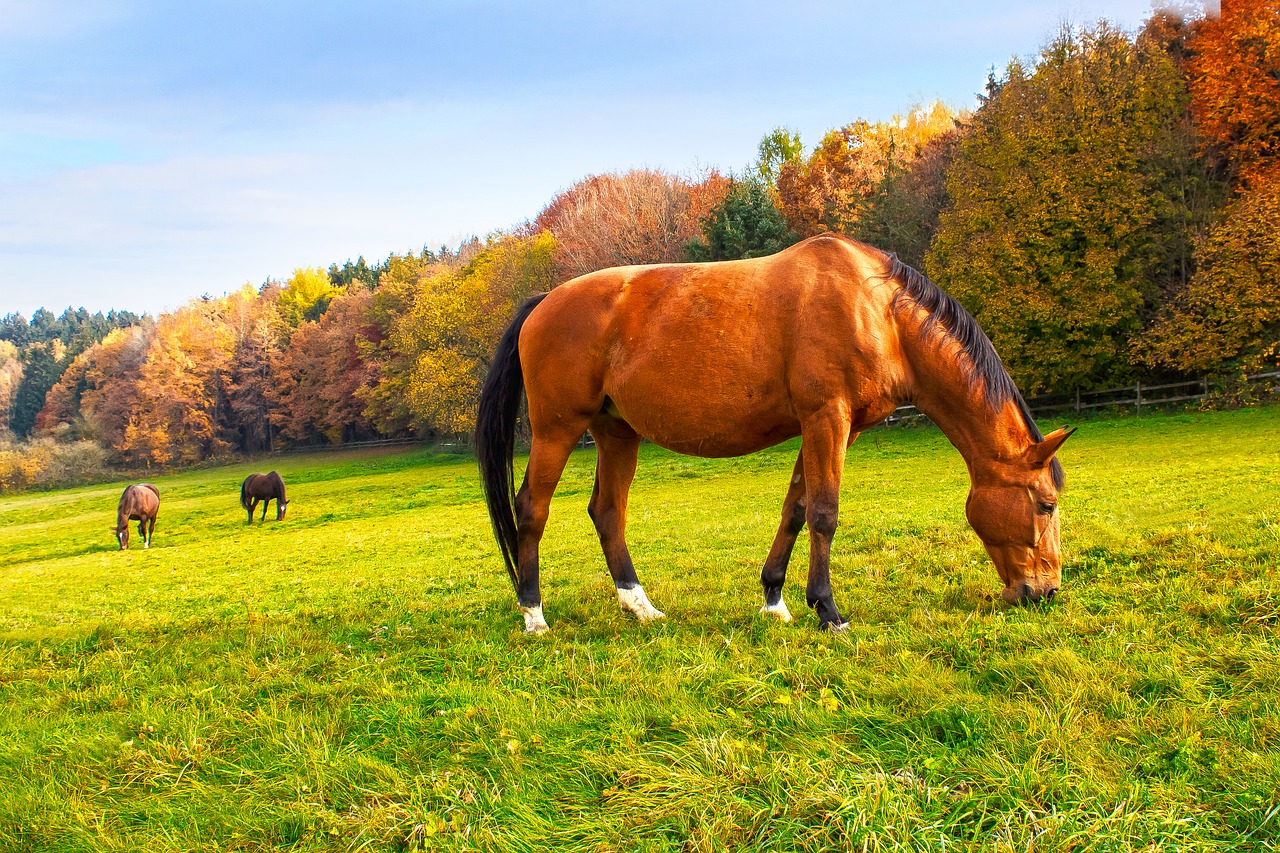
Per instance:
(356,676)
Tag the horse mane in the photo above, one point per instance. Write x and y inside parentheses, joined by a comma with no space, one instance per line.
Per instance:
(946,316)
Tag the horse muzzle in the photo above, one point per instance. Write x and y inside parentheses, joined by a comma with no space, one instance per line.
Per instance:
(1026,593)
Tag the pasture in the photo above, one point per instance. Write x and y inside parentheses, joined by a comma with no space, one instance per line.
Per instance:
(356,676)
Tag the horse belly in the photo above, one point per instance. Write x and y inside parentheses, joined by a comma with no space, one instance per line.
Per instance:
(703,402)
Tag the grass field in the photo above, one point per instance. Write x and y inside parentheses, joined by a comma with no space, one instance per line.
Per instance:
(356,678)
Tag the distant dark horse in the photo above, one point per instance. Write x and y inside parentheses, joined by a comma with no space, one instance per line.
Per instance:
(265,488)
(141,504)
(823,341)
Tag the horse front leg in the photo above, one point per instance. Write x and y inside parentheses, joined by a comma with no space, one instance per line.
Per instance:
(774,573)
(151,528)
(547,457)
(825,440)
(617,449)
(265,504)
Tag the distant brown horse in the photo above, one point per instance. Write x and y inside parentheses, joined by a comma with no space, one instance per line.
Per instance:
(822,340)
(265,488)
(140,503)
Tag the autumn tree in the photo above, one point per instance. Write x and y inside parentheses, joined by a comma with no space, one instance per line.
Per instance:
(97,393)
(444,342)
(1234,77)
(1048,241)
(836,185)
(305,296)
(385,405)
(903,212)
(10,378)
(254,322)
(320,377)
(643,216)
(181,415)
(1229,315)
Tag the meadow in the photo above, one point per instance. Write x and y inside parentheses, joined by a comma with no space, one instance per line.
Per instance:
(356,677)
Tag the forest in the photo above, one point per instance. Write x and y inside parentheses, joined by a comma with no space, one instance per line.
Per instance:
(1107,212)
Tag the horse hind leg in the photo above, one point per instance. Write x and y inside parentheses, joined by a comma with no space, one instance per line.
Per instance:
(774,573)
(547,457)
(617,449)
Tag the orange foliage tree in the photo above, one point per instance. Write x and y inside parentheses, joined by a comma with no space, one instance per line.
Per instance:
(321,375)
(643,216)
(180,415)
(98,391)
(1234,78)
(835,186)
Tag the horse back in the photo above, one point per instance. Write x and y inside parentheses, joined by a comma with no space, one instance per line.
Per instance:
(721,358)
(139,501)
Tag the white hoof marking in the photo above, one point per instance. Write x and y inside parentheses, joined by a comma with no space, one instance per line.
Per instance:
(533,621)
(779,610)
(635,601)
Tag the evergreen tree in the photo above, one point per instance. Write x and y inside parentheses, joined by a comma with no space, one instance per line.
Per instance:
(746,224)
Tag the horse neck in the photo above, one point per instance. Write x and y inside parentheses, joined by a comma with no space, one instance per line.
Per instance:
(985,433)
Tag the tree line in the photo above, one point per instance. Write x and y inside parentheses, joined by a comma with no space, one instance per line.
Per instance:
(1107,212)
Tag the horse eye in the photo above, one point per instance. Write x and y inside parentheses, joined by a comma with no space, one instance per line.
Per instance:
(1047,508)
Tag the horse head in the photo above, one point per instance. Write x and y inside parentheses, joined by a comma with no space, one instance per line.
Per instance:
(281,507)
(1013,507)
(122,535)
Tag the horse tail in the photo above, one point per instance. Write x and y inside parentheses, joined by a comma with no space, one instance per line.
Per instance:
(244,492)
(496,436)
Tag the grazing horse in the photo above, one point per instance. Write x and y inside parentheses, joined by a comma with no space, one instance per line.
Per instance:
(140,503)
(821,340)
(265,488)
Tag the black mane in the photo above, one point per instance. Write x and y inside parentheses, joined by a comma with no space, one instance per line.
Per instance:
(948,317)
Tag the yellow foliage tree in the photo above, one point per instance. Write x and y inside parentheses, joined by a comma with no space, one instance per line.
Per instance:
(446,338)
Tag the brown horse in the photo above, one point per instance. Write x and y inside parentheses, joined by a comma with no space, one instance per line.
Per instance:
(822,340)
(265,488)
(140,503)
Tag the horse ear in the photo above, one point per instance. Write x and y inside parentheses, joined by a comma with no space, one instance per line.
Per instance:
(1040,454)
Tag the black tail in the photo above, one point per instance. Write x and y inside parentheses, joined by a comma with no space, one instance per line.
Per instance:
(496,436)
(244,492)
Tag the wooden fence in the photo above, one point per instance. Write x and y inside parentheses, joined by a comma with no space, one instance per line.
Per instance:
(1137,396)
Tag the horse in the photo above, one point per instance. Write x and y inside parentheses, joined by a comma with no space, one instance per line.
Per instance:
(265,488)
(140,503)
(821,340)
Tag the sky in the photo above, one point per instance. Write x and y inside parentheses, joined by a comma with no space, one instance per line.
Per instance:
(152,152)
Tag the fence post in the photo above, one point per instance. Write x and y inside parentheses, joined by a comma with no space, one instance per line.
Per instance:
(1138,387)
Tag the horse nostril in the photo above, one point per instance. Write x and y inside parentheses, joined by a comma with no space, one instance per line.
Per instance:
(1026,592)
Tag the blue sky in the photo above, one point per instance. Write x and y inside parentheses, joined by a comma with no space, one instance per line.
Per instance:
(153,151)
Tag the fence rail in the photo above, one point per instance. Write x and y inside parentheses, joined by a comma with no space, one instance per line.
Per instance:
(1136,395)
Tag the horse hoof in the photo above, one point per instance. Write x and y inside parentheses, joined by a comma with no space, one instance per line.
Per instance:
(533,621)
(634,601)
(778,611)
